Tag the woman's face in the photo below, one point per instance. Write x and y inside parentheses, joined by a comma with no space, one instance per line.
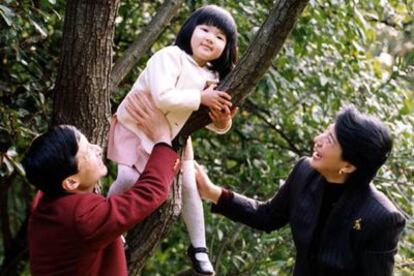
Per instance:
(327,156)
(207,43)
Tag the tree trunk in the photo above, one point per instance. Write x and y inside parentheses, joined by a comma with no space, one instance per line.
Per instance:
(143,240)
(144,41)
(81,94)
(254,63)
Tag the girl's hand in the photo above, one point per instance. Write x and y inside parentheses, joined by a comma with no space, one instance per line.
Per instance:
(149,118)
(206,188)
(215,99)
(221,119)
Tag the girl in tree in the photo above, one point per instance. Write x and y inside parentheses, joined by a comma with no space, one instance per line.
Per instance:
(179,79)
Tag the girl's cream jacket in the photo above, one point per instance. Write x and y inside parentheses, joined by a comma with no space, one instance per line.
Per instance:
(175,82)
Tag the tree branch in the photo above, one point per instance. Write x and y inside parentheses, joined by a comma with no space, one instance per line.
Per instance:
(255,62)
(258,112)
(144,41)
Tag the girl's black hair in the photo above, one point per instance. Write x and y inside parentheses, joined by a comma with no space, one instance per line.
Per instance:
(51,158)
(365,142)
(212,15)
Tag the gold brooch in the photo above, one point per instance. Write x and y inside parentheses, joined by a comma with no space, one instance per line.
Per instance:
(357,224)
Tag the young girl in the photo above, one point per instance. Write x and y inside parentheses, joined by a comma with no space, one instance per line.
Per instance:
(179,79)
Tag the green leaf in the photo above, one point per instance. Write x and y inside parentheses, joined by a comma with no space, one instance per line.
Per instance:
(40,29)
(7,14)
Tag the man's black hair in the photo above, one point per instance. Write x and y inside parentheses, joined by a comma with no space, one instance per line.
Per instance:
(51,158)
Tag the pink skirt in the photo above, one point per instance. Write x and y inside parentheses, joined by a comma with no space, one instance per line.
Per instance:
(124,146)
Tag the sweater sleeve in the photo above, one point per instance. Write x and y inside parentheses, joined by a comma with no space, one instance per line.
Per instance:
(100,220)
(267,216)
(163,70)
(212,127)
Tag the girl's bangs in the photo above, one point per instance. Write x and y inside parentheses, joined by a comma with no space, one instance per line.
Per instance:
(220,21)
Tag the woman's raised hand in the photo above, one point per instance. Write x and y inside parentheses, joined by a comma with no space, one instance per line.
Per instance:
(206,188)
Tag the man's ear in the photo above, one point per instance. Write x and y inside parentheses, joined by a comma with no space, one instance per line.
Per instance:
(70,183)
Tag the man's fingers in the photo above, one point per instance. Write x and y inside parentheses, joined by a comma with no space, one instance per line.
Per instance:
(143,103)
(140,107)
(139,118)
(135,101)
(147,100)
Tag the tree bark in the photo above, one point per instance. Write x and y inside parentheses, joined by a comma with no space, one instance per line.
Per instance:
(254,63)
(144,238)
(144,41)
(81,94)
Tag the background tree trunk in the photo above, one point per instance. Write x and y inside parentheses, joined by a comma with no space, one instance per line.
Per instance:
(81,94)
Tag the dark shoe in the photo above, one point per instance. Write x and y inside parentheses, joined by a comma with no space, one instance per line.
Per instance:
(200,267)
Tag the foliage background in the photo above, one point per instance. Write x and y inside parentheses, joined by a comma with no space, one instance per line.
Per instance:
(340,52)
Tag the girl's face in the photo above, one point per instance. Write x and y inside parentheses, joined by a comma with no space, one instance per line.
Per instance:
(207,43)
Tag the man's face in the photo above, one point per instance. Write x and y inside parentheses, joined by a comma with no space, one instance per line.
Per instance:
(90,165)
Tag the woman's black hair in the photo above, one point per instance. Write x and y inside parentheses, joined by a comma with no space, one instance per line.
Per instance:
(212,15)
(51,158)
(365,142)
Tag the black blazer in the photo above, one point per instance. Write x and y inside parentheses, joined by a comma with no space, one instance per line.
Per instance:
(360,236)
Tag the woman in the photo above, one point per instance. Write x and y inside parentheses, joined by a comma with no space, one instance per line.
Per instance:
(341,225)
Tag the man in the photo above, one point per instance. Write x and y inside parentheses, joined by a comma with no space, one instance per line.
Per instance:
(73,231)
(341,225)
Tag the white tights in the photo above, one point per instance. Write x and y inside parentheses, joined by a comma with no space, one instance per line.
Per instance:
(192,211)
(126,178)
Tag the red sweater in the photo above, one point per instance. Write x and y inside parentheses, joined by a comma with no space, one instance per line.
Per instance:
(79,234)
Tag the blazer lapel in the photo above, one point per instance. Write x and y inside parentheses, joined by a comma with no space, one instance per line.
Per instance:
(347,206)
(316,195)
(342,219)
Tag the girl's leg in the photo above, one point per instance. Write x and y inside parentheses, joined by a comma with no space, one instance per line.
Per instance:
(126,178)
(192,209)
